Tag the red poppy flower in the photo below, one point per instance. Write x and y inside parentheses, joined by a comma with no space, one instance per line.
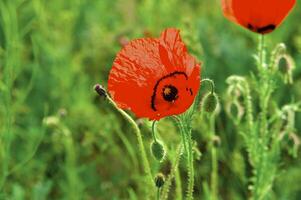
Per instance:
(260,16)
(155,77)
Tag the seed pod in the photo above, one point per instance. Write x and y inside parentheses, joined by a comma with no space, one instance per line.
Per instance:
(158,151)
(210,102)
(159,180)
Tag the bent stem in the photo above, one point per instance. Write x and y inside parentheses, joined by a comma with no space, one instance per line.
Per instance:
(211,82)
(154,131)
(146,166)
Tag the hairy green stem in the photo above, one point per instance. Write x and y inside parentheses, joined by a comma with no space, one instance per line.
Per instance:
(178,185)
(154,131)
(187,143)
(190,167)
(261,51)
(173,171)
(214,161)
(262,136)
(214,177)
(211,82)
(145,162)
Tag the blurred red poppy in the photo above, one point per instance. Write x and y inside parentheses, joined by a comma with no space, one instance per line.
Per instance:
(260,16)
(155,77)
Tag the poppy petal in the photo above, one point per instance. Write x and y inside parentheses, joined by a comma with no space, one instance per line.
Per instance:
(257,15)
(228,11)
(283,9)
(133,71)
(155,77)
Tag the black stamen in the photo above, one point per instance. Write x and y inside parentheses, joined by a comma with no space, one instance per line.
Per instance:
(170,93)
(250,27)
(153,106)
(264,29)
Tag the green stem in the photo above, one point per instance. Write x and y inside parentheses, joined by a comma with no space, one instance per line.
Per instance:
(191,168)
(173,171)
(187,143)
(262,136)
(197,100)
(249,107)
(211,82)
(158,194)
(214,162)
(214,178)
(154,131)
(178,185)
(145,162)
(261,49)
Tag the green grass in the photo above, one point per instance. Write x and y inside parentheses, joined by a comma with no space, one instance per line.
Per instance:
(59,140)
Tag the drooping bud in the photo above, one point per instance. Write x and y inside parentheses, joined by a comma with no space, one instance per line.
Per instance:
(158,151)
(100,90)
(210,102)
(159,180)
(286,65)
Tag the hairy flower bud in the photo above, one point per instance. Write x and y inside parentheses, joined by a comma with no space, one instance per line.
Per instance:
(100,90)
(159,180)
(210,102)
(157,150)
(286,65)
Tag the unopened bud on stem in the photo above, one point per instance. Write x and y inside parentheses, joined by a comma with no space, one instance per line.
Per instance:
(210,102)
(159,180)
(157,150)
(100,90)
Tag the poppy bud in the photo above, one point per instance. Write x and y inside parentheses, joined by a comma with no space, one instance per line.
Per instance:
(100,90)
(210,102)
(159,180)
(157,150)
(286,65)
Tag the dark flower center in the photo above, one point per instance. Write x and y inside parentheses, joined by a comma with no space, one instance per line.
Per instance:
(170,93)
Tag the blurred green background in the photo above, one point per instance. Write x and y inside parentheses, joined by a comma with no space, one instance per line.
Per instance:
(51,55)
